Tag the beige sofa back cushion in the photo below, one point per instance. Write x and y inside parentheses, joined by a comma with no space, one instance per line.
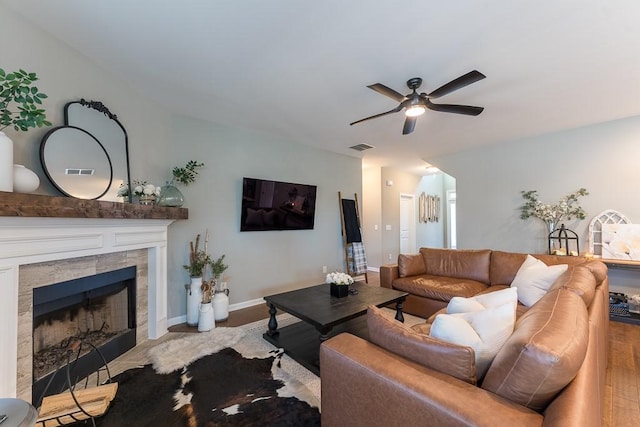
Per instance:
(462,264)
(410,265)
(544,353)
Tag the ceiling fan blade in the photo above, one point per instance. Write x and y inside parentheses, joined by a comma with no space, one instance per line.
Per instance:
(469,110)
(460,82)
(409,125)
(387,91)
(395,110)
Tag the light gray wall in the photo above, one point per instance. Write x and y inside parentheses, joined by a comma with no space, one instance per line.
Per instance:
(265,262)
(403,182)
(65,75)
(260,262)
(431,234)
(602,158)
(371,220)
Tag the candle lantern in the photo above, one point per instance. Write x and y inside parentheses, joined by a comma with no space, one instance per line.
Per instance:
(563,241)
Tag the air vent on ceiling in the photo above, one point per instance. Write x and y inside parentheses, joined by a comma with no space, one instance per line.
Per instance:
(361,147)
(79,171)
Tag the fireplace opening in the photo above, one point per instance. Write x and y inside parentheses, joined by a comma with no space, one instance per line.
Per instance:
(99,310)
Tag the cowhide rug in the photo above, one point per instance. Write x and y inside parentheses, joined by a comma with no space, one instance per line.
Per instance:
(186,385)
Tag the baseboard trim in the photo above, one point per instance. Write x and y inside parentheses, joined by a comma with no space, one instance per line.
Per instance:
(232,307)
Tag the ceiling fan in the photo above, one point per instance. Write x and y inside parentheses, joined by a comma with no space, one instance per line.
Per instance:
(416,103)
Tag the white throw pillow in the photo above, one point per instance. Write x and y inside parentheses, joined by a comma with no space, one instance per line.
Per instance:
(484,301)
(485,331)
(534,278)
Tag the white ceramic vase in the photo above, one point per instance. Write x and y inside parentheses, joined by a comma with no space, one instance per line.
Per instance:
(206,317)
(24,180)
(194,298)
(221,305)
(6,163)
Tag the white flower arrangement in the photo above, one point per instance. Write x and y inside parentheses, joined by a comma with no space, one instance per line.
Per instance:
(567,207)
(339,278)
(140,189)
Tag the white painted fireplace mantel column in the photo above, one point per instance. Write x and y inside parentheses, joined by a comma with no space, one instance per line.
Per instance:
(28,240)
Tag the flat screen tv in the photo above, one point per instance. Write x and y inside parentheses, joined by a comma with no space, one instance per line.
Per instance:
(275,205)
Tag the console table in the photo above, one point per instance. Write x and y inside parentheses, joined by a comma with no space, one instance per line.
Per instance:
(624,264)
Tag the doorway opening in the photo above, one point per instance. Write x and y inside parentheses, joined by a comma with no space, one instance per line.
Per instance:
(407,224)
(452,242)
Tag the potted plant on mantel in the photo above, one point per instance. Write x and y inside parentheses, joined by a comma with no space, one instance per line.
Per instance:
(198,261)
(169,194)
(17,88)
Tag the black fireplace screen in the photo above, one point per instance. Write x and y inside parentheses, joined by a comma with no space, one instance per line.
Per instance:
(98,309)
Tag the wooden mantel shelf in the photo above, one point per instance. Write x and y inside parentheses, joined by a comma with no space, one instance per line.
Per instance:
(35,205)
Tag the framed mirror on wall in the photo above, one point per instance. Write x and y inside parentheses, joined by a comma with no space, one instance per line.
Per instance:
(87,157)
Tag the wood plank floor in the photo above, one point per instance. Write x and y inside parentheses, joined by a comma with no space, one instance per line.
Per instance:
(622,390)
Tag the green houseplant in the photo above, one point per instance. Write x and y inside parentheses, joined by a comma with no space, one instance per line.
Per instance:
(198,259)
(20,108)
(20,101)
(187,174)
(170,195)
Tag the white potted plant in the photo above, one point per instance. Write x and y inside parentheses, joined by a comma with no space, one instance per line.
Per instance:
(198,261)
(20,109)
(220,290)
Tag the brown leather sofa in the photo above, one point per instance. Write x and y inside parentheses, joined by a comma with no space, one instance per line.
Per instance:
(551,370)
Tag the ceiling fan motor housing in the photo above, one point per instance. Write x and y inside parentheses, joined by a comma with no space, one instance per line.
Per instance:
(414,83)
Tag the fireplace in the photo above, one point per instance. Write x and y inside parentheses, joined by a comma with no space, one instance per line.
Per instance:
(99,310)
(46,240)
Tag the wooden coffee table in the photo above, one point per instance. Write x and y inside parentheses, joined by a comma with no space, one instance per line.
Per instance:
(324,316)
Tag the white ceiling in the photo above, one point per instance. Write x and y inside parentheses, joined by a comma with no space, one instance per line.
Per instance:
(299,69)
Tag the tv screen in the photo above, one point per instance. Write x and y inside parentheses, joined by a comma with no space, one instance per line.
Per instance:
(275,205)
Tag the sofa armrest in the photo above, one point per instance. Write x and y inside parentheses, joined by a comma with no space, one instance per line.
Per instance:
(388,273)
(364,385)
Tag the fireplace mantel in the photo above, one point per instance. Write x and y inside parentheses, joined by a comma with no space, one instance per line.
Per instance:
(34,205)
(37,228)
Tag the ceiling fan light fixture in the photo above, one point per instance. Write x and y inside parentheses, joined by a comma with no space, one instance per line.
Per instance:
(415,111)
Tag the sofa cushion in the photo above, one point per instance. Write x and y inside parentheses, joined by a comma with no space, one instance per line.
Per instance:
(544,353)
(396,337)
(463,264)
(483,301)
(598,269)
(534,278)
(485,331)
(410,265)
(579,279)
(441,288)
(505,265)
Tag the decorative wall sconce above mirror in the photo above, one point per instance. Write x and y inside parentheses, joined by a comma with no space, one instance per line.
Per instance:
(87,157)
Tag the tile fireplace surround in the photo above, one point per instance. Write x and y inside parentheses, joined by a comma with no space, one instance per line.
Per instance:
(58,232)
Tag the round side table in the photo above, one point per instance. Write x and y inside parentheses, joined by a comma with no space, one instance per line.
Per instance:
(19,413)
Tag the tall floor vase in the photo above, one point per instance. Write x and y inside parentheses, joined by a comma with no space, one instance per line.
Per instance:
(194,298)
(6,163)
(221,305)
(206,319)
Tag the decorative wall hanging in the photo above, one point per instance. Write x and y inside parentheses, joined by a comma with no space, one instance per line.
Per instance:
(428,208)
(596,229)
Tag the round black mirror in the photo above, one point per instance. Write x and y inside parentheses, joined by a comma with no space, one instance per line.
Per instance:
(76,163)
